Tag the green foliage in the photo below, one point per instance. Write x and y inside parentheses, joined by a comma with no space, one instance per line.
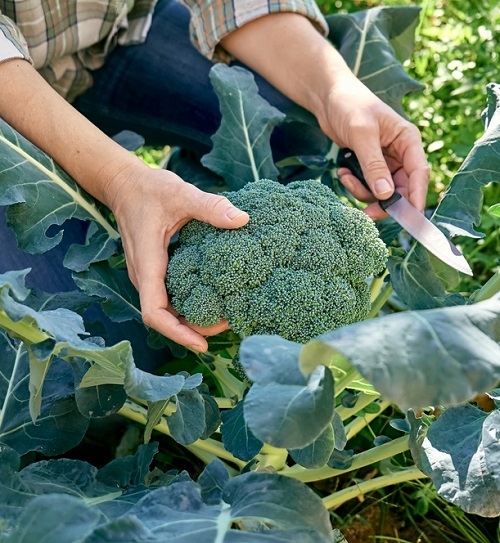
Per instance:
(298,269)
(316,413)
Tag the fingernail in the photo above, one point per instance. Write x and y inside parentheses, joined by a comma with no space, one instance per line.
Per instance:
(382,186)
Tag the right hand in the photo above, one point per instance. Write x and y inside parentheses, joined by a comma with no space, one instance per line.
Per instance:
(150,206)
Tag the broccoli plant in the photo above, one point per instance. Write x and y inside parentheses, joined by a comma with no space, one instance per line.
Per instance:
(308,393)
(299,268)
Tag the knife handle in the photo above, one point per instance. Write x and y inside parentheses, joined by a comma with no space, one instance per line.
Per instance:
(348,159)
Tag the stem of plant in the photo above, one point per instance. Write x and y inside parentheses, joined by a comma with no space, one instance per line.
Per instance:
(365,458)
(338,498)
(380,300)
(24,329)
(137,413)
(489,289)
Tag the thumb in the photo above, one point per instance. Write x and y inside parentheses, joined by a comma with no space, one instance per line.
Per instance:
(219,212)
(375,170)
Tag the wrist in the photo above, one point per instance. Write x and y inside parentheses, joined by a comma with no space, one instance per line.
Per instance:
(116,179)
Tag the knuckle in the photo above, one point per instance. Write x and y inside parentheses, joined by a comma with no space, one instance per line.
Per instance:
(149,317)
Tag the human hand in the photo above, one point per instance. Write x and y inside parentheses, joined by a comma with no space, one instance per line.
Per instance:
(150,206)
(388,147)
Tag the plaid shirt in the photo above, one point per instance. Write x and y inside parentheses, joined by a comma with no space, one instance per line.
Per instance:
(66,39)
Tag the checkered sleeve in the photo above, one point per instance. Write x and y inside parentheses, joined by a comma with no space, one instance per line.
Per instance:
(211,21)
(12,42)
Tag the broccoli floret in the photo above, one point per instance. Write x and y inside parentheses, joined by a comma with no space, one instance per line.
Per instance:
(298,269)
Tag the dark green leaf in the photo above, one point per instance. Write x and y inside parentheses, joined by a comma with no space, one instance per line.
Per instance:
(119,298)
(241,150)
(414,280)
(212,481)
(52,518)
(129,470)
(374,42)
(283,407)
(317,453)
(40,194)
(99,247)
(60,425)
(460,207)
(187,423)
(95,401)
(237,437)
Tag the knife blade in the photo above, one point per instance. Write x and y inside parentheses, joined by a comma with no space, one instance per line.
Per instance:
(411,219)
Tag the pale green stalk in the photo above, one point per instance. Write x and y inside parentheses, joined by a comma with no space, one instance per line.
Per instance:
(380,300)
(359,423)
(489,289)
(22,329)
(362,401)
(366,458)
(209,446)
(338,498)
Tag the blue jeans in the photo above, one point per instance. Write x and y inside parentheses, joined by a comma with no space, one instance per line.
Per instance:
(160,90)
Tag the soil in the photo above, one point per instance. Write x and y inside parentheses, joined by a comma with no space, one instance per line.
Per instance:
(372,523)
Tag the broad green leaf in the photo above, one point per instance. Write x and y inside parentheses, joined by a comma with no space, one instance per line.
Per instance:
(187,423)
(57,333)
(460,208)
(241,150)
(59,427)
(237,437)
(99,247)
(442,356)
(284,407)
(99,400)
(460,452)
(374,43)
(40,194)
(416,282)
(253,507)
(41,520)
(317,453)
(495,210)
(414,279)
(118,296)
(130,470)
(212,481)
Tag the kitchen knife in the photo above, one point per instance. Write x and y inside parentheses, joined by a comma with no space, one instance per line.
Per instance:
(411,219)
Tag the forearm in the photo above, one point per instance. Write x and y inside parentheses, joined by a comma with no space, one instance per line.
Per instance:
(292,55)
(35,110)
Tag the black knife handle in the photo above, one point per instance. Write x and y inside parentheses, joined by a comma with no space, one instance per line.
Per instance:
(348,159)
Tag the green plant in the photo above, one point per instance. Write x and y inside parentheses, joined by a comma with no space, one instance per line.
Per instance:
(298,269)
(426,348)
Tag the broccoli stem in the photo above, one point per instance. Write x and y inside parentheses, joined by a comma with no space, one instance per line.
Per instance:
(354,427)
(338,498)
(201,447)
(381,298)
(489,289)
(365,458)
(272,456)
(218,366)
(22,329)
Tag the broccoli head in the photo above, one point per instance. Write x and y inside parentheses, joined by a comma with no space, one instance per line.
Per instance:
(298,269)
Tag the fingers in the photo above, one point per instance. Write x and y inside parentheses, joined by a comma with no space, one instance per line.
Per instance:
(149,270)
(374,166)
(221,326)
(217,211)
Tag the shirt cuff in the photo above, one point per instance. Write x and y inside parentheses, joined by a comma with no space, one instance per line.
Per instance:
(212,21)
(12,42)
